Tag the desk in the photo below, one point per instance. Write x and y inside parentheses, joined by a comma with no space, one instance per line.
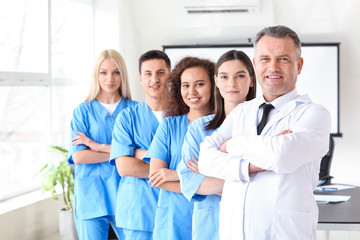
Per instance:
(340,216)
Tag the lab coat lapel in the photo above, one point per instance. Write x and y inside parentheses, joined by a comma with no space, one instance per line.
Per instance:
(286,110)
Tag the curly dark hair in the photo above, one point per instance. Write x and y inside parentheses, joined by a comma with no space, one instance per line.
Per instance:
(176,105)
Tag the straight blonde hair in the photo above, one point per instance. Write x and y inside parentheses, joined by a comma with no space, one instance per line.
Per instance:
(124,89)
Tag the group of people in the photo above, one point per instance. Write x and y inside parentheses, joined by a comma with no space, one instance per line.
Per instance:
(201,157)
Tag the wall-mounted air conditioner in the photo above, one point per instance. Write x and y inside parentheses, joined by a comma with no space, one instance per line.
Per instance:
(221,6)
(225,13)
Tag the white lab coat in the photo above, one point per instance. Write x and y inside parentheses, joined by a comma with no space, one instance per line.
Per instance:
(277,203)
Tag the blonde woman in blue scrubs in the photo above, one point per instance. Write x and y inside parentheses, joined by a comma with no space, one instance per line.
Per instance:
(96,181)
(235,80)
(191,88)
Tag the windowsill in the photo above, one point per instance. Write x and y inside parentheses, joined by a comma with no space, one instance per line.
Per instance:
(22,201)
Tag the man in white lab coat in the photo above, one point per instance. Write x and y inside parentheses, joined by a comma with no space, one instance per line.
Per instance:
(270,174)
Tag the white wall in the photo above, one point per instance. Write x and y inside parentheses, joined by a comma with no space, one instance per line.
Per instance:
(32,222)
(151,24)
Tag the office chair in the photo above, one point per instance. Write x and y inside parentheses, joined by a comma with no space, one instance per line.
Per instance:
(325,165)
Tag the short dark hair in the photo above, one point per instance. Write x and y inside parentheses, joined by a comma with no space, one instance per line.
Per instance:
(219,100)
(279,32)
(176,105)
(154,54)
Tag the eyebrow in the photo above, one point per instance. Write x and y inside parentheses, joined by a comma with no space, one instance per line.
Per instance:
(200,80)
(116,69)
(284,55)
(241,71)
(161,69)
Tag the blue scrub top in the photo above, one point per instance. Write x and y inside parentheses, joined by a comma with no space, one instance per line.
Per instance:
(206,208)
(174,211)
(95,184)
(134,129)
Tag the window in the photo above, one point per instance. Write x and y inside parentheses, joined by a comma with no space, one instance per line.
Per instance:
(46,55)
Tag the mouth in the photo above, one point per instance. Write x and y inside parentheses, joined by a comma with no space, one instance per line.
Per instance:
(155,86)
(194,99)
(274,77)
(110,85)
(233,92)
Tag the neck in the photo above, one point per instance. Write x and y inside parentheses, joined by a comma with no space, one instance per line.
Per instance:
(108,98)
(195,114)
(229,106)
(156,104)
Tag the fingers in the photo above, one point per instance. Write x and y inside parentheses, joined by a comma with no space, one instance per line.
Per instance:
(80,133)
(155,179)
(287,131)
(194,160)
(193,166)
(75,138)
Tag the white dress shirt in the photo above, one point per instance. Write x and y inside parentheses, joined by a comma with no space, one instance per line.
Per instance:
(277,203)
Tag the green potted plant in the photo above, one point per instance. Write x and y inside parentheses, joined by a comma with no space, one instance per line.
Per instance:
(59,173)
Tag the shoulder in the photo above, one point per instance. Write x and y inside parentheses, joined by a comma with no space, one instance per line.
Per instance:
(245,107)
(83,107)
(304,101)
(132,106)
(129,102)
(175,120)
(202,121)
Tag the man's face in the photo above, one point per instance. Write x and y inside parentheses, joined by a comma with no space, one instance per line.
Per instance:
(154,77)
(277,64)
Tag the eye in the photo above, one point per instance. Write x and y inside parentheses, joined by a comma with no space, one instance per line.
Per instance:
(200,84)
(185,85)
(117,73)
(102,73)
(161,73)
(224,77)
(264,59)
(284,59)
(147,74)
(240,76)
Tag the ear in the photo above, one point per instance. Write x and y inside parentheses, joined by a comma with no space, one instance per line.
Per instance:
(216,81)
(300,64)
(253,60)
(139,77)
(252,82)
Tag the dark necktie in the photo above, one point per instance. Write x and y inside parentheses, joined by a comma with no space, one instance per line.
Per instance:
(266,110)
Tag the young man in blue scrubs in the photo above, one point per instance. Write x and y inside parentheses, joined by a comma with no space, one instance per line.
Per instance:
(133,132)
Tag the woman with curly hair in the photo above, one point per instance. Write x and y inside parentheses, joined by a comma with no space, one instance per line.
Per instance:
(191,88)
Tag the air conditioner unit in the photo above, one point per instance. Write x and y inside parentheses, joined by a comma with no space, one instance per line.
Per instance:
(221,6)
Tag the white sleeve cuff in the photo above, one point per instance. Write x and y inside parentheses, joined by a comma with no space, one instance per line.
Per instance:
(244,170)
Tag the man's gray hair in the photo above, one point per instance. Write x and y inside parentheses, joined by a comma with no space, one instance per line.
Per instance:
(279,32)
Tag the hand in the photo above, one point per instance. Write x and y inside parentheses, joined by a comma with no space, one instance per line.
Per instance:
(163,175)
(287,131)
(224,145)
(81,139)
(193,165)
(253,168)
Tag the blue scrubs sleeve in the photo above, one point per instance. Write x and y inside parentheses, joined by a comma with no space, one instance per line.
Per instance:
(122,143)
(160,144)
(78,123)
(190,181)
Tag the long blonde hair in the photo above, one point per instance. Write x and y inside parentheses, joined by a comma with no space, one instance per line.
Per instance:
(124,89)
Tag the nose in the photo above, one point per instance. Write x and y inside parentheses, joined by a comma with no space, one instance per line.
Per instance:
(154,78)
(231,81)
(192,90)
(273,65)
